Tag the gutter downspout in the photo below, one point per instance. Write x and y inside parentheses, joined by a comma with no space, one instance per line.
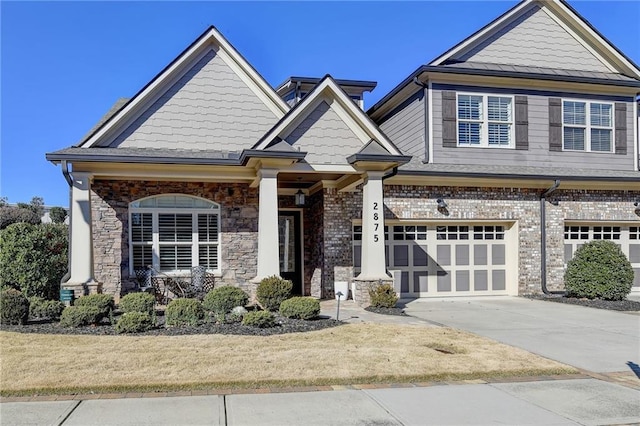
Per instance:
(425,112)
(67,177)
(543,238)
(394,172)
(296,93)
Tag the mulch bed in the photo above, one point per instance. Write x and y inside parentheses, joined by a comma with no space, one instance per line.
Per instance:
(284,325)
(613,305)
(386,311)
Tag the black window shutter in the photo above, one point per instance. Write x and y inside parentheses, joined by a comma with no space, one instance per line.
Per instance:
(555,124)
(621,128)
(522,122)
(449,113)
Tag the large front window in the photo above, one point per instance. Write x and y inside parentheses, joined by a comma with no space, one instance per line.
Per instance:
(587,126)
(485,120)
(172,233)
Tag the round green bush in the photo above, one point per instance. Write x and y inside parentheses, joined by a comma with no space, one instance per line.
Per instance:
(78,316)
(134,322)
(599,270)
(138,302)
(272,291)
(102,302)
(184,312)
(14,307)
(300,307)
(222,300)
(383,296)
(260,319)
(34,257)
(42,308)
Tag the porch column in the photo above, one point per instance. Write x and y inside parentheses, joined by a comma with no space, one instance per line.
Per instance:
(268,245)
(373,265)
(81,277)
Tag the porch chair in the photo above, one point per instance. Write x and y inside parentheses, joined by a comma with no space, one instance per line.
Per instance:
(201,283)
(147,281)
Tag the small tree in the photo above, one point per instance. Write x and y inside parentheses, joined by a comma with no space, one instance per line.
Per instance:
(57,214)
(12,214)
(34,258)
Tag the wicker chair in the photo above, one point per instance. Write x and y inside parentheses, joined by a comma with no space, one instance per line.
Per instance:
(201,283)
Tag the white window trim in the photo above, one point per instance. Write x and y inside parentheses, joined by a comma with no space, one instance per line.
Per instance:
(194,243)
(484,134)
(588,126)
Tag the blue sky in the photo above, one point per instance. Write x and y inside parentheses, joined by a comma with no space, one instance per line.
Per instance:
(63,64)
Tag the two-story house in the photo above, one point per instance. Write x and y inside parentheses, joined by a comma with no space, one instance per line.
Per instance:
(479,174)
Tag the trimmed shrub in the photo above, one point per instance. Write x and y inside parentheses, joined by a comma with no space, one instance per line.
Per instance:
(14,307)
(34,258)
(599,270)
(138,302)
(42,308)
(78,316)
(383,296)
(236,314)
(259,319)
(222,300)
(102,302)
(184,312)
(300,307)
(134,322)
(272,291)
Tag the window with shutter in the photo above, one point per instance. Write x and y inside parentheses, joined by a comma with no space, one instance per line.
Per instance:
(587,126)
(172,233)
(485,120)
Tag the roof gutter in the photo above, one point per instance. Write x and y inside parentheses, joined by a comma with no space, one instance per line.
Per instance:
(543,238)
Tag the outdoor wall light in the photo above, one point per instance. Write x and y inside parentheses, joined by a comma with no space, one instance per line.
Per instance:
(441,203)
(299,198)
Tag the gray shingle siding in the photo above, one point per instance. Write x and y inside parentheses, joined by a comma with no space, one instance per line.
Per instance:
(405,125)
(538,152)
(535,39)
(325,136)
(209,107)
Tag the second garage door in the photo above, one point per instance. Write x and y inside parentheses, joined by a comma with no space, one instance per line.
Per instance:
(436,260)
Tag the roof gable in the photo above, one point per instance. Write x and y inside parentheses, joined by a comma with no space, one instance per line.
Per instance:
(209,79)
(328,125)
(547,34)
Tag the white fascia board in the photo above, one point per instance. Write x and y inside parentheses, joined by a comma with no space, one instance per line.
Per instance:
(232,58)
(265,88)
(480,35)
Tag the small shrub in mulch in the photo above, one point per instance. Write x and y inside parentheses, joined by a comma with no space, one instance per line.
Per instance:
(383,296)
(184,312)
(134,322)
(272,291)
(300,307)
(259,319)
(14,307)
(137,302)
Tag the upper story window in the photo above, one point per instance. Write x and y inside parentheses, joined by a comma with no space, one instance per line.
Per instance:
(485,120)
(587,126)
(173,233)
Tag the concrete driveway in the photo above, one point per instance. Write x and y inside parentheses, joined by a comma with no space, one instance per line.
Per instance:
(592,339)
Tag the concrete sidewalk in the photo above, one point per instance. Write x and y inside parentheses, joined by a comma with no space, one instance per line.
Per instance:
(583,401)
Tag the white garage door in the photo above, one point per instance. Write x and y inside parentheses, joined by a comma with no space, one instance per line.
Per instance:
(626,236)
(448,259)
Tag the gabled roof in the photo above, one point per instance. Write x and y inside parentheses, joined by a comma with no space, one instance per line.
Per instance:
(211,37)
(570,18)
(328,88)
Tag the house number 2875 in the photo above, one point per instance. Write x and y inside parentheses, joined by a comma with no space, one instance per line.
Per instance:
(376,223)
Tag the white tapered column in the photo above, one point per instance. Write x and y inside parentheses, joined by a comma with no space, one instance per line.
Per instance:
(373,265)
(81,241)
(268,246)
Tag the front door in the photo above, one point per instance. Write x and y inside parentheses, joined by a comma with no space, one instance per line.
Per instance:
(289,230)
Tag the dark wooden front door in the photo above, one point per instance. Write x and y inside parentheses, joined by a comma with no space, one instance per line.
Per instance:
(289,230)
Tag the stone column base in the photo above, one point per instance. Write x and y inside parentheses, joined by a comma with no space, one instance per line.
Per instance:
(361,288)
(83,289)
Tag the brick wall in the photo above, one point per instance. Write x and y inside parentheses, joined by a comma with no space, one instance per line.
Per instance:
(238,226)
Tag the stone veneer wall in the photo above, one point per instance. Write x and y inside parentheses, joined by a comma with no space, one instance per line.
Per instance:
(238,225)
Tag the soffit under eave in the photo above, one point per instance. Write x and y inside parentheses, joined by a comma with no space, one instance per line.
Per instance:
(510,182)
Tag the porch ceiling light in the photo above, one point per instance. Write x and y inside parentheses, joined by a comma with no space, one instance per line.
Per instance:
(441,203)
(299,198)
